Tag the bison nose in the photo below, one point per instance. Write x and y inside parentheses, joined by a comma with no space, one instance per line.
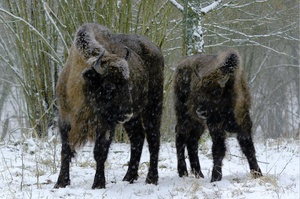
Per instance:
(126,118)
(201,113)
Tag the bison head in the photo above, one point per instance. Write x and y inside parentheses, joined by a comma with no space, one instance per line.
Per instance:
(108,88)
(214,91)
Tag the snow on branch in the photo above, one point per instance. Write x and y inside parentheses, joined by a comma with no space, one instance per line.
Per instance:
(177,5)
(210,7)
(202,10)
(48,11)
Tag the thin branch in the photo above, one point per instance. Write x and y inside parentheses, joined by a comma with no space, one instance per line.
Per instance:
(48,10)
(246,158)
(253,42)
(260,67)
(177,5)
(33,29)
(210,7)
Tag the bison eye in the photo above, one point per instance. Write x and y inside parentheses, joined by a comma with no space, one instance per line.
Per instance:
(217,92)
(207,82)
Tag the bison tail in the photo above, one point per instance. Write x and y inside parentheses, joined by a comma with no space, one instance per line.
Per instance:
(230,60)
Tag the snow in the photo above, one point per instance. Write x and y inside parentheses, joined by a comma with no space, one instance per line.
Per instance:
(195,7)
(211,7)
(30,170)
(177,5)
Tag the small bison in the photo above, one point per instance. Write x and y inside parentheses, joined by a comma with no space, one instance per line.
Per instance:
(110,79)
(211,92)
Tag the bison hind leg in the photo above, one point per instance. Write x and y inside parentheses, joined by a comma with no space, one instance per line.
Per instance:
(152,120)
(66,155)
(180,149)
(64,175)
(218,151)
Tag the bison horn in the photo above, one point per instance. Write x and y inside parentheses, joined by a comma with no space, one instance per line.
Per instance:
(197,74)
(223,81)
(127,54)
(97,65)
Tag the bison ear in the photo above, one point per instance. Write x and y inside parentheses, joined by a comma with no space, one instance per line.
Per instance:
(128,53)
(223,80)
(97,65)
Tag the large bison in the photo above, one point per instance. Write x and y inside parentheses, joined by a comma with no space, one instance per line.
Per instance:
(211,92)
(110,79)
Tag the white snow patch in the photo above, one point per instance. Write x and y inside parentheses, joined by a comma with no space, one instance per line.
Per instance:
(31,172)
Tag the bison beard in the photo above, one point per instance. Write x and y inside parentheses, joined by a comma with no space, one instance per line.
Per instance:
(211,92)
(110,79)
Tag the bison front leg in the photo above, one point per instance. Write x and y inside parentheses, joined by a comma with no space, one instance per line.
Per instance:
(103,141)
(192,148)
(66,156)
(136,134)
(180,148)
(218,151)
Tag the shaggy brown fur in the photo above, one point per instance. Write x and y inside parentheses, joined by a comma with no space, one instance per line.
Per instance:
(211,92)
(72,107)
(110,79)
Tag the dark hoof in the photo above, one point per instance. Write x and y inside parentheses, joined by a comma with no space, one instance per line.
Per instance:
(216,179)
(130,178)
(152,178)
(216,176)
(183,172)
(256,174)
(99,184)
(198,174)
(61,184)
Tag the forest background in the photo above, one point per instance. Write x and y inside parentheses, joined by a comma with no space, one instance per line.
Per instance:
(35,36)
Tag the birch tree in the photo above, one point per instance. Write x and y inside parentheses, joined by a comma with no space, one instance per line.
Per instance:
(193,41)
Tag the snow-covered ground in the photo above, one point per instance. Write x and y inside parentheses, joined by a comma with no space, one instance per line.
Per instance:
(30,170)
